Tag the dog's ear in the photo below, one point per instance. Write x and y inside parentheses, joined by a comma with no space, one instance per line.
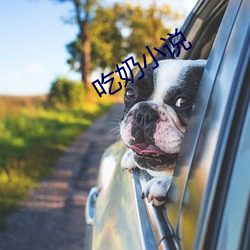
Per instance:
(164,48)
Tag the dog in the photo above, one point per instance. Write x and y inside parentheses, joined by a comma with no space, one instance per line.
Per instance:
(157,109)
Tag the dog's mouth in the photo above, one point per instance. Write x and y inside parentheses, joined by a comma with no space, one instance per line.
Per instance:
(146,151)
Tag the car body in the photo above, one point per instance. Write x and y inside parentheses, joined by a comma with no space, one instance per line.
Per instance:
(209,198)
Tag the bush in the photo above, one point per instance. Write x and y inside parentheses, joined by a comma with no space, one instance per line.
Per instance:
(65,92)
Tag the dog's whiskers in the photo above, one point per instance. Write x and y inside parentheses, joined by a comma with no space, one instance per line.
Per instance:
(116,122)
(112,132)
(118,138)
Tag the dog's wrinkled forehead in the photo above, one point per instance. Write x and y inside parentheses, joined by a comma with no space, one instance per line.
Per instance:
(174,75)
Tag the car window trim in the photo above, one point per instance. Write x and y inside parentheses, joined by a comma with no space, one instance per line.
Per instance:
(145,224)
(161,227)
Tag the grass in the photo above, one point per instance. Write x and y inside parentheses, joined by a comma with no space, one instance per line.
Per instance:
(31,139)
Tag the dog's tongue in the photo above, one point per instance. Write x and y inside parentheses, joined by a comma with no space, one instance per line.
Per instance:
(145,149)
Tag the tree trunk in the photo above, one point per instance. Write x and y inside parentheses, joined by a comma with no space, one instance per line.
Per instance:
(86,45)
(86,56)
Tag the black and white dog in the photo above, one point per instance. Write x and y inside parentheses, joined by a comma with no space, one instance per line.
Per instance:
(157,109)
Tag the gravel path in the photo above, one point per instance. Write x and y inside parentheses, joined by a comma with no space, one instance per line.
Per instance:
(53,218)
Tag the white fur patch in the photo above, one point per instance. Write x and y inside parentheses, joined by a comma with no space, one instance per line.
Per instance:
(127,162)
(125,131)
(157,188)
(167,138)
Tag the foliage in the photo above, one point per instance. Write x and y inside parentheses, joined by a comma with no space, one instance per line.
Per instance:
(31,139)
(120,30)
(146,29)
(67,93)
(107,42)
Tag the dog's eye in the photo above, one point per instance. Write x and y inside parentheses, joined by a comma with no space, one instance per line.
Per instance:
(130,94)
(182,102)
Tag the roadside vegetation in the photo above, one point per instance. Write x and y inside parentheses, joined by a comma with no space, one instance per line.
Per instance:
(34,131)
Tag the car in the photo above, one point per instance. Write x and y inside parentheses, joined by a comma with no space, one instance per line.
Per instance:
(208,203)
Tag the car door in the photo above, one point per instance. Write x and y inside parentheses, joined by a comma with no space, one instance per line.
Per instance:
(209,179)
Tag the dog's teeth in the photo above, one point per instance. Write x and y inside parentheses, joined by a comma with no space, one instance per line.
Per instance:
(155,155)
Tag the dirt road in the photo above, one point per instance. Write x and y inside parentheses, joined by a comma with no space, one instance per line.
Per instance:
(53,218)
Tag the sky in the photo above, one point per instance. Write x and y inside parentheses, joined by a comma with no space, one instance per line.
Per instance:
(32,43)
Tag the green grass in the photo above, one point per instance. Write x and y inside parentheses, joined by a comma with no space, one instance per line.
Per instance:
(31,139)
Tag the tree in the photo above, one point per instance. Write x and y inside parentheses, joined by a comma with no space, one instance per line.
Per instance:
(119,30)
(106,41)
(83,16)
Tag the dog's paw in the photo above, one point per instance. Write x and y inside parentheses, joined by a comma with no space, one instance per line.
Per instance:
(127,162)
(156,189)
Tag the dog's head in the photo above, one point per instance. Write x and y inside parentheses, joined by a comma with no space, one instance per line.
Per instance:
(157,109)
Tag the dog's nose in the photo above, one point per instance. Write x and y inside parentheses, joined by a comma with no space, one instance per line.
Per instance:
(145,117)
